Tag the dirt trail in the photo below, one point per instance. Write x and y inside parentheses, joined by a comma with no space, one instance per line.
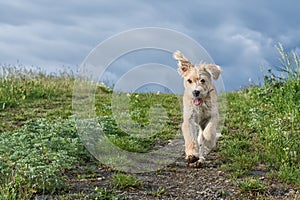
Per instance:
(178,181)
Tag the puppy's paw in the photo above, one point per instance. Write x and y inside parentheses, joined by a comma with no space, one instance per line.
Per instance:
(199,163)
(191,158)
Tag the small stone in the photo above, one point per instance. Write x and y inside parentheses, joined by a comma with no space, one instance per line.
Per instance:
(220,173)
(290,192)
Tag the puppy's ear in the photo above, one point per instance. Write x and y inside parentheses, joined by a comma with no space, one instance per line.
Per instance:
(213,70)
(183,63)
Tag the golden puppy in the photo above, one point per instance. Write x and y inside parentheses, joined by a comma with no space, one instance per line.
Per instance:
(200,108)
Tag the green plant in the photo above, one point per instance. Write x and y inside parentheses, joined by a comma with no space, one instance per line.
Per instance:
(251,184)
(122,181)
(105,194)
(35,157)
(158,192)
(289,66)
(11,189)
(289,62)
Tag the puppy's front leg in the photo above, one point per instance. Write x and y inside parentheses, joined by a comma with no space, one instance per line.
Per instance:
(206,141)
(191,147)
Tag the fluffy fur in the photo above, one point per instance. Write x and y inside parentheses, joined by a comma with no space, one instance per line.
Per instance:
(200,108)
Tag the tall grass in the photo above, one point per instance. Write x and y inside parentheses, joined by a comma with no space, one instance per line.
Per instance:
(289,62)
(18,83)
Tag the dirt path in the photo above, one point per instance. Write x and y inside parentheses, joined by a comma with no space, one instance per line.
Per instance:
(181,182)
(178,181)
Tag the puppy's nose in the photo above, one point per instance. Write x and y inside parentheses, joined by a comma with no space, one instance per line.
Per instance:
(196,93)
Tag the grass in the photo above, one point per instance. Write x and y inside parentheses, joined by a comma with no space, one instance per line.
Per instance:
(264,129)
(39,143)
(252,184)
(122,181)
(132,131)
(104,194)
(31,94)
(19,84)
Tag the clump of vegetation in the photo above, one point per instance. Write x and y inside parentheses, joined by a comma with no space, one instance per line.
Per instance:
(252,184)
(121,181)
(19,84)
(34,158)
(105,194)
(289,62)
(264,125)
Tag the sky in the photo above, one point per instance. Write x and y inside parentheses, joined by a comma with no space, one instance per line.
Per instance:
(240,36)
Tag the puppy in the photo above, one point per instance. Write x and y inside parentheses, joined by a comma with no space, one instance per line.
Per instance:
(200,108)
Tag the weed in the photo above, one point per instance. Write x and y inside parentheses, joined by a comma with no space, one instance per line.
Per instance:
(105,194)
(251,185)
(289,62)
(122,181)
(158,192)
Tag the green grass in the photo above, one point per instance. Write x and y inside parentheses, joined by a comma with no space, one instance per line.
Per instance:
(133,130)
(252,184)
(31,94)
(39,143)
(122,181)
(264,126)
(264,129)
(19,84)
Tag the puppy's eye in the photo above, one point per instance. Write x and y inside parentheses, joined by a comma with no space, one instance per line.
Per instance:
(202,81)
(189,80)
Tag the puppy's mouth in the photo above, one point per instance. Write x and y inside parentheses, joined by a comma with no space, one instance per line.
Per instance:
(197,101)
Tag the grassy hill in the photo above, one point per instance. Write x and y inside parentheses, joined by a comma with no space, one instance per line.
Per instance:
(40,150)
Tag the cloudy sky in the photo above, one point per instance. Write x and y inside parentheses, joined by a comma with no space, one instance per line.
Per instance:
(239,35)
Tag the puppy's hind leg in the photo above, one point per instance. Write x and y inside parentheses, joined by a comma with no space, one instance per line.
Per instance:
(208,140)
